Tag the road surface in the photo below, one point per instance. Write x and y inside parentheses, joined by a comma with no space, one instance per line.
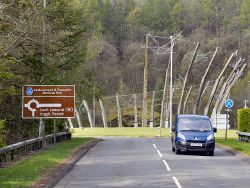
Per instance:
(145,162)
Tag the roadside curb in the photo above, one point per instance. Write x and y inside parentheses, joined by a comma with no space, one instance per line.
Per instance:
(233,152)
(56,174)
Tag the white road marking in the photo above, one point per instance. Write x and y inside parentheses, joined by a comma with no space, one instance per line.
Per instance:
(166,165)
(154,146)
(159,153)
(177,182)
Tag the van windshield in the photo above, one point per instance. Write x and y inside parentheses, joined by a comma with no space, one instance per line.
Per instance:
(194,124)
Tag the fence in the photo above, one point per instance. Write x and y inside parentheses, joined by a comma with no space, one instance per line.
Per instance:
(26,146)
(126,110)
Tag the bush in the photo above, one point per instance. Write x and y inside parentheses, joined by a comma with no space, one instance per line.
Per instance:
(1,133)
(244,120)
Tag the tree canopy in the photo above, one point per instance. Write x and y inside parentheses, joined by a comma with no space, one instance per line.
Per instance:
(100,43)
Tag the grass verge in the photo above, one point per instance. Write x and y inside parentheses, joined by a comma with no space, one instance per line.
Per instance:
(124,131)
(26,171)
(236,145)
(230,134)
(136,132)
(232,141)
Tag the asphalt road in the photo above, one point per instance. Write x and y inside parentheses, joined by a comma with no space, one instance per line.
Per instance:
(144,162)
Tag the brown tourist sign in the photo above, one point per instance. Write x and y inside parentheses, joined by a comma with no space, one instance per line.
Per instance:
(48,101)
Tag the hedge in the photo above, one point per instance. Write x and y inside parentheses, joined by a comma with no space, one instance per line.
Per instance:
(244,120)
(1,132)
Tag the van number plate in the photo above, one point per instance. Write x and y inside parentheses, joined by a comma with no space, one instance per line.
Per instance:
(196,144)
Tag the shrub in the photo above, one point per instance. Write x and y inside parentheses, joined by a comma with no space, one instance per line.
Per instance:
(1,133)
(244,120)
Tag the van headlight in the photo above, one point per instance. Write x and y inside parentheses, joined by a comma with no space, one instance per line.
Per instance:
(181,136)
(210,137)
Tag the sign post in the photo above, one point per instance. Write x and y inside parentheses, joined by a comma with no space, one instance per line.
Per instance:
(229,104)
(48,101)
(54,133)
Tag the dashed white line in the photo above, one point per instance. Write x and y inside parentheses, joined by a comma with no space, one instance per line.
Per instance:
(166,165)
(154,146)
(159,153)
(177,182)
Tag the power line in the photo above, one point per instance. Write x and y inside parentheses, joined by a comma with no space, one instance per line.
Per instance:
(179,37)
(206,45)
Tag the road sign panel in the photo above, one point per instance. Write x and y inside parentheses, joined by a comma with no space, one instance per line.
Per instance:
(229,103)
(48,101)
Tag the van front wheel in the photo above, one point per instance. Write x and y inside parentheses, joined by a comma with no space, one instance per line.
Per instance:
(177,151)
(173,149)
(211,153)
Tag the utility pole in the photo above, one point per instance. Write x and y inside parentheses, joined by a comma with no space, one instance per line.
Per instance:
(78,118)
(205,88)
(104,116)
(152,111)
(225,85)
(161,116)
(216,84)
(42,131)
(247,96)
(185,102)
(167,124)
(164,97)
(220,96)
(42,121)
(70,123)
(186,76)
(145,85)
(135,112)
(119,111)
(88,112)
(166,114)
(44,31)
(198,98)
(171,85)
(245,101)
(93,121)
(226,94)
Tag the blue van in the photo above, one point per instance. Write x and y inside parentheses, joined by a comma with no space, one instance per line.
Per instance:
(193,133)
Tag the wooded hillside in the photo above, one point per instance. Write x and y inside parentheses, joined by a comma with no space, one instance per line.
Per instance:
(97,45)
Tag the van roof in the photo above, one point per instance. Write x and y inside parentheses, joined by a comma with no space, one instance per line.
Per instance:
(192,116)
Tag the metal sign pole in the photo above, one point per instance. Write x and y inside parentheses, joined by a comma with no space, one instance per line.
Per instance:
(42,132)
(54,133)
(229,104)
(226,124)
(216,118)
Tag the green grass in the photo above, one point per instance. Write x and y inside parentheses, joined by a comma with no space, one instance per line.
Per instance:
(236,145)
(136,132)
(26,171)
(130,132)
(232,141)
(230,134)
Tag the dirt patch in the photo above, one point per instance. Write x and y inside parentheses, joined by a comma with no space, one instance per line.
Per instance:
(53,176)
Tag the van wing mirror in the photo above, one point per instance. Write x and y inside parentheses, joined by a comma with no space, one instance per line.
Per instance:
(215,130)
